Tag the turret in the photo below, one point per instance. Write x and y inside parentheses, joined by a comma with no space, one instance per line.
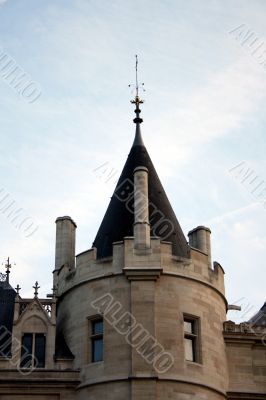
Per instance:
(143,311)
(65,245)
(200,238)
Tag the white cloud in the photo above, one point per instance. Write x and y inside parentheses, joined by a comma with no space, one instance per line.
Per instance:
(220,107)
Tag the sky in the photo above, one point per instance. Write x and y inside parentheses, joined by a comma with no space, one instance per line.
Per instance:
(204,125)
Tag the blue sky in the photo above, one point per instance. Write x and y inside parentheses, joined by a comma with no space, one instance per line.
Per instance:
(203,114)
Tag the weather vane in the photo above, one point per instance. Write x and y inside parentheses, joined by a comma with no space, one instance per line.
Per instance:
(8,266)
(137,99)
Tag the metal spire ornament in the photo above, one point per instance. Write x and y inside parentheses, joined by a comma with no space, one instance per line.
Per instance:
(17,289)
(8,267)
(137,84)
(36,287)
(137,101)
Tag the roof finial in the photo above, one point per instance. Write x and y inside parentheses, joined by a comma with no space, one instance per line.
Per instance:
(17,289)
(137,100)
(36,287)
(8,266)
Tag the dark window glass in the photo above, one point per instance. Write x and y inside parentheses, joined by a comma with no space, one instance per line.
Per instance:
(97,340)
(97,350)
(97,327)
(39,350)
(33,350)
(26,350)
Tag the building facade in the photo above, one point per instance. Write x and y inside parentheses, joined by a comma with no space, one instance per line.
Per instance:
(139,316)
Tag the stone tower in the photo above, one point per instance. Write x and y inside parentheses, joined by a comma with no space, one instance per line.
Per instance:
(142,311)
(139,316)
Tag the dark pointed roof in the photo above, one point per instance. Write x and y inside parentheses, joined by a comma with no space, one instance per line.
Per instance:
(119,217)
(260,317)
(7,302)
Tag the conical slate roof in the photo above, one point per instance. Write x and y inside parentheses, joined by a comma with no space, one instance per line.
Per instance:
(260,317)
(7,302)
(119,217)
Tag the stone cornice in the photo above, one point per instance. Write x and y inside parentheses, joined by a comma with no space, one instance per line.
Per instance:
(151,378)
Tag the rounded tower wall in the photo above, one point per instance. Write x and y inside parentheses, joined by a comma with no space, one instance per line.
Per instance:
(185,287)
(76,312)
(178,300)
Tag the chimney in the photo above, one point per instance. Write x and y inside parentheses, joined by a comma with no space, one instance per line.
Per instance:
(142,236)
(200,238)
(65,244)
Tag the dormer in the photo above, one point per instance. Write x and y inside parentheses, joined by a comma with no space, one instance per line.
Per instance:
(34,330)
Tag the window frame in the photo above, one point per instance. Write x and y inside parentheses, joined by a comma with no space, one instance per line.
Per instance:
(194,336)
(96,336)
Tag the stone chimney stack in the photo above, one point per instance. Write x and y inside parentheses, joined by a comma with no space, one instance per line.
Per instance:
(142,236)
(65,244)
(200,238)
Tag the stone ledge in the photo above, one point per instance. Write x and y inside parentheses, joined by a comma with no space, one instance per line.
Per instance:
(177,380)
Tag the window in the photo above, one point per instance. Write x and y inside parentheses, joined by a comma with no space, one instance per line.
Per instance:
(33,350)
(97,340)
(191,337)
(39,350)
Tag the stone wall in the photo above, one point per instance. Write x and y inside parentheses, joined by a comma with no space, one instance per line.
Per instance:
(156,288)
(246,355)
